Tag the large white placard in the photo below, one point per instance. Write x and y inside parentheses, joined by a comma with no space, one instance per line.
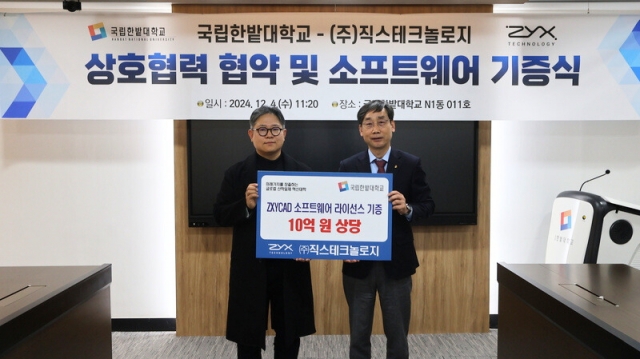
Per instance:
(324,215)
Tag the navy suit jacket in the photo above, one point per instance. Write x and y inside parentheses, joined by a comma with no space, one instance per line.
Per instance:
(409,179)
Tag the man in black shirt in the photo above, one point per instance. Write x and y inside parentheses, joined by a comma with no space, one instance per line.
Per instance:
(254,283)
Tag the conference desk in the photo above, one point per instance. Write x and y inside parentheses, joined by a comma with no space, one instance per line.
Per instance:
(568,311)
(55,312)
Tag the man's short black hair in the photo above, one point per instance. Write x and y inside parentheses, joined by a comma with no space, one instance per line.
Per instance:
(375,106)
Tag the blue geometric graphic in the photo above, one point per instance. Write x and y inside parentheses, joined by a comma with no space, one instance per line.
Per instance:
(630,50)
(31,82)
(620,51)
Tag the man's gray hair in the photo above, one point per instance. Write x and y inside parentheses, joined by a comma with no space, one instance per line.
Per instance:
(263,110)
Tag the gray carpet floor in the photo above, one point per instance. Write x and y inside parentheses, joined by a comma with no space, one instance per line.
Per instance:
(166,345)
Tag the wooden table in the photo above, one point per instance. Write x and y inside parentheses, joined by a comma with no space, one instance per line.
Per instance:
(55,312)
(568,311)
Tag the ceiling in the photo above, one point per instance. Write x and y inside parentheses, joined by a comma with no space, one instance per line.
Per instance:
(339,2)
(23,6)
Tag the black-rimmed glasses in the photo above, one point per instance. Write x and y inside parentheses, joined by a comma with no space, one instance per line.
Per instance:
(262,131)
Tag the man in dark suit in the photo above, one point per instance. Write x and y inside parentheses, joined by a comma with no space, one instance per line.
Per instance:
(391,280)
(254,283)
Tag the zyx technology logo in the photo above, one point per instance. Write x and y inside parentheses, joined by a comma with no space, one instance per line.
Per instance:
(526,32)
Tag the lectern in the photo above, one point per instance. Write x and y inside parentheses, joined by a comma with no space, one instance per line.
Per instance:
(587,228)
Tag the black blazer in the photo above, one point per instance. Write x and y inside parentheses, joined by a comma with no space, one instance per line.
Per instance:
(247,315)
(409,179)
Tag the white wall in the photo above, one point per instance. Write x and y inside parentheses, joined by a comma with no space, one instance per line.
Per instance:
(532,162)
(93,192)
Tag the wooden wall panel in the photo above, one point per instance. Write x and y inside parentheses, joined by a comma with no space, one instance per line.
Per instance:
(450,289)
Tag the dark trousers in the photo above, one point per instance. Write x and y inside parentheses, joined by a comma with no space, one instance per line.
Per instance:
(395,303)
(280,350)
(285,344)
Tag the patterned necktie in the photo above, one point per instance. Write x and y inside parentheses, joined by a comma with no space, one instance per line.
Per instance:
(380,164)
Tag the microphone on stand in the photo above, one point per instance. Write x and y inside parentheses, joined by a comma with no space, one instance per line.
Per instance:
(596,177)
